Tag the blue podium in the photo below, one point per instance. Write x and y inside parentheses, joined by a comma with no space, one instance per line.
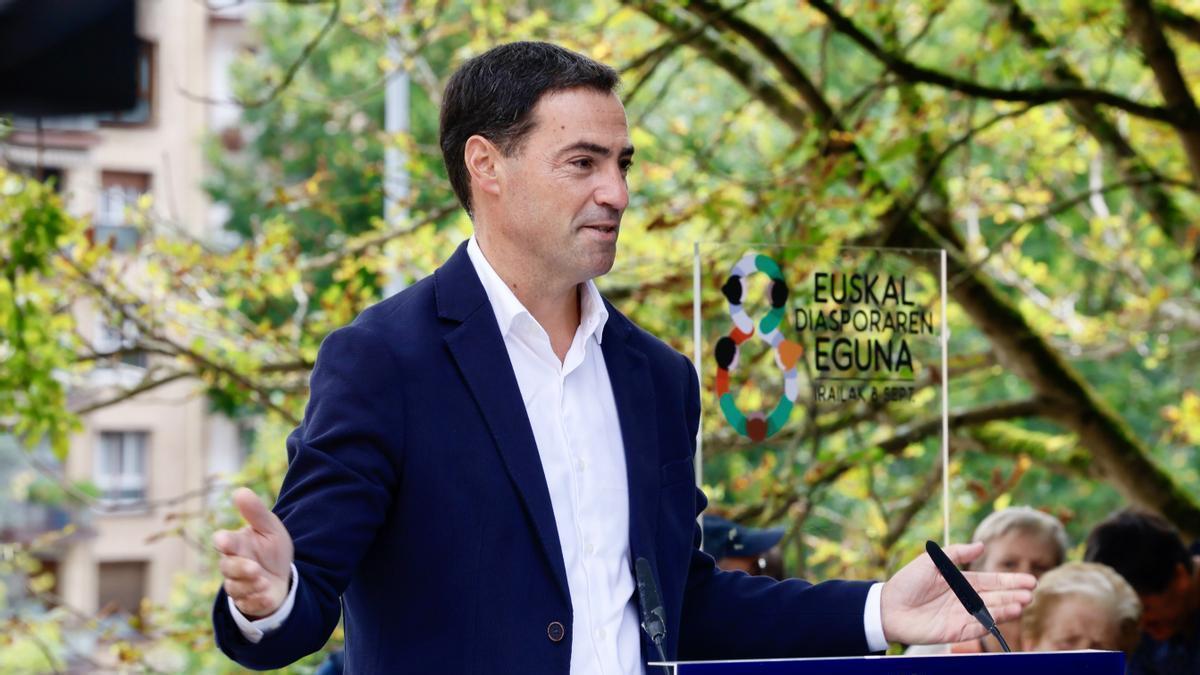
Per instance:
(1022,663)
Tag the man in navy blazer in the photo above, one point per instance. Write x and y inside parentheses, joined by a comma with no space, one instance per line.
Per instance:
(427,431)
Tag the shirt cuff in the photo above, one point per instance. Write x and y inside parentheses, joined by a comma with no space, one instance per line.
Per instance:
(255,630)
(873,620)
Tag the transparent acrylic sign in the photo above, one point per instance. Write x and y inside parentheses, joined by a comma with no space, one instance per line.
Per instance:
(791,339)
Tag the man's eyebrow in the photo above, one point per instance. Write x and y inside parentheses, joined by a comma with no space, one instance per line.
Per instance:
(595,149)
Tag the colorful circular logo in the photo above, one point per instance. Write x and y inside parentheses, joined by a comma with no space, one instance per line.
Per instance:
(756,426)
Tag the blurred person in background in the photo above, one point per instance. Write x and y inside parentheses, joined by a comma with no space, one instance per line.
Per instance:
(1016,539)
(747,549)
(1082,606)
(1148,552)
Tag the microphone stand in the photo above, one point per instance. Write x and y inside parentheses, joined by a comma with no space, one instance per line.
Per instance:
(995,631)
(653,614)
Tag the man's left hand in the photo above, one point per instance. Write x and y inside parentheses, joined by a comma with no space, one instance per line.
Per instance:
(918,607)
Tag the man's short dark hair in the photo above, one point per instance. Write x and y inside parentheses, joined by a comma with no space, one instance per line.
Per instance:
(1142,547)
(493,95)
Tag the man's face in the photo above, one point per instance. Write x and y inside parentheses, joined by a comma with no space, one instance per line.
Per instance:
(1166,614)
(1020,551)
(564,190)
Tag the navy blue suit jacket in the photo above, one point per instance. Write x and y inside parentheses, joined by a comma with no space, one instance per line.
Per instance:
(419,509)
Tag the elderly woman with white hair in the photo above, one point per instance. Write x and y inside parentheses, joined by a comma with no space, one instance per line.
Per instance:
(1016,539)
(1082,606)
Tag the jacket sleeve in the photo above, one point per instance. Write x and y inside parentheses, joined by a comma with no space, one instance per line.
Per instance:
(731,615)
(343,465)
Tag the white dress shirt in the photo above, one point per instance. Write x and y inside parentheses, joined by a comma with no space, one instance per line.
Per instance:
(573,414)
(574,418)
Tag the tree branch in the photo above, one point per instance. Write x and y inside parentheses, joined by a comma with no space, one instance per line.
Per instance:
(741,70)
(293,68)
(118,353)
(1161,58)
(900,523)
(654,57)
(364,245)
(1185,24)
(1036,96)
(142,387)
(932,167)
(1030,407)
(1153,196)
(774,54)
(827,119)
(119,305)
(1059,453)
(1052,210)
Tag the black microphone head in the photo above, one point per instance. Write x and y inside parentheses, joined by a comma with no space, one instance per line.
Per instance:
(962,588)
(958,583)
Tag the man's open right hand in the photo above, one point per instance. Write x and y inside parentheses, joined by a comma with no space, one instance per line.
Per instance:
(256,561)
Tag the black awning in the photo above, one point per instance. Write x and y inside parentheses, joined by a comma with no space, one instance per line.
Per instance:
(66,57)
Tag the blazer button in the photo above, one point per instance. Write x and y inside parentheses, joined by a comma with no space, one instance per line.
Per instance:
(555,631)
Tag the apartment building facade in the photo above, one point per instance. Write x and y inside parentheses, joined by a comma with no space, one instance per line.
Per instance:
(161,452)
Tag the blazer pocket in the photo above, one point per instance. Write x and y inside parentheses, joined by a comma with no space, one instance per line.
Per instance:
(677,471)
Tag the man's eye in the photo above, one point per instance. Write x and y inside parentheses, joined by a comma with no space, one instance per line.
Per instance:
(625,167)
(582,163)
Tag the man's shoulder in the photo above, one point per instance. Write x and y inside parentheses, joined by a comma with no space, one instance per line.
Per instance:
(452,292)
(415,303)
(403,321)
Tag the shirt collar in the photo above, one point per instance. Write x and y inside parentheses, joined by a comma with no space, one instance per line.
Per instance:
(593,315)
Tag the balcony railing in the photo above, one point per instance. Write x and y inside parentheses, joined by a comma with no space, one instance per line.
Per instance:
(58,123)
(22,522)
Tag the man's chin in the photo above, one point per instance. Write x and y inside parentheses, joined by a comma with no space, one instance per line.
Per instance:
(598,263)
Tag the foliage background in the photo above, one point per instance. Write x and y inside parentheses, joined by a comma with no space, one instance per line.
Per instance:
(1050,147)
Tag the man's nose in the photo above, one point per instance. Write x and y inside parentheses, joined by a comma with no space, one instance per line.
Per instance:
(613,191)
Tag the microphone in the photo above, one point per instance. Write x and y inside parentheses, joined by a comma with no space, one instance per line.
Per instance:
(654,617)
(966,595)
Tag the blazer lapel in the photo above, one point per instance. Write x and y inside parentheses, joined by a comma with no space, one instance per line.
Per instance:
(633,390)
(478,349)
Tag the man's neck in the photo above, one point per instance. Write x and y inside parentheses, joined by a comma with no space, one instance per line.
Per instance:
(554,304)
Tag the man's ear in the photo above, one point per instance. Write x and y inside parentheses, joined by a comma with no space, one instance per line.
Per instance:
(482,158)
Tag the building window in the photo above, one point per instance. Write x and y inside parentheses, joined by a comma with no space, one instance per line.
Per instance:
(119,192)
(52,175)
(121,587)
(120,340)
(121,467)
(143,111)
